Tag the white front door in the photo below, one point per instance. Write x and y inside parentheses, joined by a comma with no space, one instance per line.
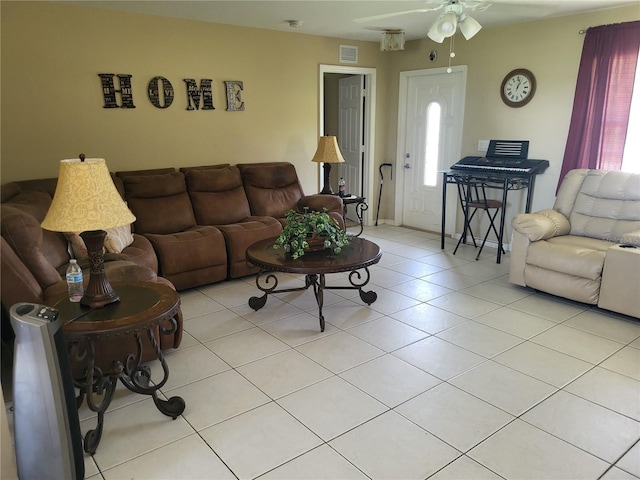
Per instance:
(350,131)
(429,140)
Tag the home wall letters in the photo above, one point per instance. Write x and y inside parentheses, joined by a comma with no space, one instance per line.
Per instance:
(161,94)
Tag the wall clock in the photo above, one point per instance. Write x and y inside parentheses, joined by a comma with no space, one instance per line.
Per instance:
(518,87)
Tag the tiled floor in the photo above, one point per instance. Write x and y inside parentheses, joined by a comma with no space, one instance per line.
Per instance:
(452,373)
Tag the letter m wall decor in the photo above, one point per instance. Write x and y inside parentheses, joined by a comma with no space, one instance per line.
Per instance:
(194,93)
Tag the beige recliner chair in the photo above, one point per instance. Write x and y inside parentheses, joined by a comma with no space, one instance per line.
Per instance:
(587,248)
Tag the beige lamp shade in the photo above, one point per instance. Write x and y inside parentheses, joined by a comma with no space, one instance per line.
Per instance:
(328,151)
(86,199)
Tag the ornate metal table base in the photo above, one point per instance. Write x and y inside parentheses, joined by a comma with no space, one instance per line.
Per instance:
(98,387)
(317,281)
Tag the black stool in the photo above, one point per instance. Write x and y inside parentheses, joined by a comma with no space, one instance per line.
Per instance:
(473,197)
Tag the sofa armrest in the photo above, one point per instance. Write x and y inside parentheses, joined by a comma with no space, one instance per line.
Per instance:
(631,238)
(541,225)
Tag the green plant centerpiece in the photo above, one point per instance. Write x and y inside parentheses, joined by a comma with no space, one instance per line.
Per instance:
(304,231)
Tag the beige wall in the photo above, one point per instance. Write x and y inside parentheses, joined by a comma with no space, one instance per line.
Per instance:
(551,49)
(52,102)
(52,105)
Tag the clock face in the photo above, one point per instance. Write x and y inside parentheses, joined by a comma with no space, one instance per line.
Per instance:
(518,88)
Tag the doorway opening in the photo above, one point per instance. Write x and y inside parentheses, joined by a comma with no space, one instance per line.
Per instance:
(356,144)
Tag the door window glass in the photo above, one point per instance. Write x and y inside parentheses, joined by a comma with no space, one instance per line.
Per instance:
(432,145)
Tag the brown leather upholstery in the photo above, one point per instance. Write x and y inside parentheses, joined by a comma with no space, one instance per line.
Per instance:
(188,254)
(219,199)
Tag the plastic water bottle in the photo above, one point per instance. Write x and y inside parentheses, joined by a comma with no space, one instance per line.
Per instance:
(74,281)
(341,187)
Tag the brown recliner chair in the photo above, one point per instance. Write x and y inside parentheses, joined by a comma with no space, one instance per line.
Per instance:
(188,254)
(273,188)
(219,199)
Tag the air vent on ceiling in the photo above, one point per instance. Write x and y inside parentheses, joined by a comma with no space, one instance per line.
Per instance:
(348,54)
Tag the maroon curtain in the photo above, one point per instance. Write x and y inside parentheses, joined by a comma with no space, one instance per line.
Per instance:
(602,101)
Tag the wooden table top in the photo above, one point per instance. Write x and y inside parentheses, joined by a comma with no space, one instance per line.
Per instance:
(141,306)
(360,253)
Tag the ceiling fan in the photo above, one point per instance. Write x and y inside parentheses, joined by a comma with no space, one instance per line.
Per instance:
(453,18)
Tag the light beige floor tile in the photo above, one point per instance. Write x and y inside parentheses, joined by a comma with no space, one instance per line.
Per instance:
(389,258)
(549,307)
(181,364)
(283,373)
(322,463)
(428,318)
(543,363)
(186,459)
(616,474)
(414,268)
(454,416)
(503,387)
(523,451)
(495,293)
(420,290)
(385,278)
(90,467)
(331,407)
(481,270)
(339,352)
(609,389)
(630,462)
(218,398)
(233,297)
(390,446)
(216,325)
(480,339)
(588,426)
(464,468)
(387,334)
(349,313)
(449,279)
(298,329)
(134,430)
(515,322)
(609,326)
(195,304)
(260,440)
(390,380)
(625,361)
(274,309)
(445,260)
(579,344)
(439,358)
(389,302)
(464,305)
(246,346)
(306,300)
(635,343)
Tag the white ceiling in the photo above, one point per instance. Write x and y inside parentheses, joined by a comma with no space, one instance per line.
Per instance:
(337,18)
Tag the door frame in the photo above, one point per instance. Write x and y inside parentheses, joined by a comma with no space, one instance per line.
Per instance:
(451,200)
(368,169)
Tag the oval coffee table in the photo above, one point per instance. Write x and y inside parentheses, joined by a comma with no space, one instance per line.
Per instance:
(358,255)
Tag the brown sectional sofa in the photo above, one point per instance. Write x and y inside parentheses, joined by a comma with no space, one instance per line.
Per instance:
(192,227)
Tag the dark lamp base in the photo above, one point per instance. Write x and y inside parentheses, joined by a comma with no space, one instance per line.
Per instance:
(99,291)
(326,189)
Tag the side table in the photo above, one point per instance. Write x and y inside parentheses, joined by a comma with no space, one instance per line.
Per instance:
(143,309)
(360,207)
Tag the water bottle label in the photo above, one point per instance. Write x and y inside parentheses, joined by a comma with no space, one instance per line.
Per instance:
(74,278)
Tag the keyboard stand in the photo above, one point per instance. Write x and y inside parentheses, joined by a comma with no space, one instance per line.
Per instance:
(500,181)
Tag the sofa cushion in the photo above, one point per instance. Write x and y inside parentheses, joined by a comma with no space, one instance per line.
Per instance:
(607,205)
(193,257)
(217,195)
(571,259)
(160,203)
(271,188)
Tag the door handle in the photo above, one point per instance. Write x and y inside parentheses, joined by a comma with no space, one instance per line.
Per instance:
(407,166)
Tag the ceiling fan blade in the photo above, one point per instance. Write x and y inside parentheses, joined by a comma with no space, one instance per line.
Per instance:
(395,14)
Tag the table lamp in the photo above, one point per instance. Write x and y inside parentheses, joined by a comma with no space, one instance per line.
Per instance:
(327,153)
(87,201)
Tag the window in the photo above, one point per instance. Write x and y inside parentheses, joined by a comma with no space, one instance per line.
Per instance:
(631,155)
(432,145)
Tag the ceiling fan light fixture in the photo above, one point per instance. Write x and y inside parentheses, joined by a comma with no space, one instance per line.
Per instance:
(434,34)
(468,26)
(447,24)
(392,41)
